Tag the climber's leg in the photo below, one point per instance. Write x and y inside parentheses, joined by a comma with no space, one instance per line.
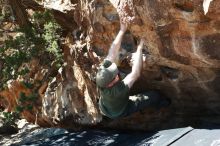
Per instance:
(151,99)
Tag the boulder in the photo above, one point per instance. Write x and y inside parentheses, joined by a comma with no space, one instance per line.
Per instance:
(182,62)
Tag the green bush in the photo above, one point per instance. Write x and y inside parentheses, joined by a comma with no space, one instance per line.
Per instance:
(39,39)
(10,118)
(26,102)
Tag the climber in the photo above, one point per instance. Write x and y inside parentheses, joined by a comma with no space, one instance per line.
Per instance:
(115,100)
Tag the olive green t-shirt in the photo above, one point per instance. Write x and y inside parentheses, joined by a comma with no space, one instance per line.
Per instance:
(114,100)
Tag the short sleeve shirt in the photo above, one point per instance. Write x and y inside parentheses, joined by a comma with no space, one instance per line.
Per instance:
(114,100)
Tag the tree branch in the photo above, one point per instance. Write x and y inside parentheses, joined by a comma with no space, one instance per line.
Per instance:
(20,13)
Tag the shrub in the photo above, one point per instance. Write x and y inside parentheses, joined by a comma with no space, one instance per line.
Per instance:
(40,39)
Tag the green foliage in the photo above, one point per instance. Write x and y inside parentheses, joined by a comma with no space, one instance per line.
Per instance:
(51,36)
(19,109)
(26,102)
(39,39)
(1,17)
(27,85)
(10,118)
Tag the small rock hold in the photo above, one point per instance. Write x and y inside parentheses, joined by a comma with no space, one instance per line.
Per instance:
(216,25)
(138,2)
(98,27)
(99,5)
(184,5)
(210,46)
(138,21)
(111,17)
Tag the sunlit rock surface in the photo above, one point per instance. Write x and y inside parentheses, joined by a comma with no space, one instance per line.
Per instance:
(182,62)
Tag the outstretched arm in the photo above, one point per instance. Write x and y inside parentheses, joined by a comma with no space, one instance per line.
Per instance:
(114,49)
(136,67)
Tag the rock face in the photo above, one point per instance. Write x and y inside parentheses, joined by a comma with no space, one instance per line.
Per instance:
(182,61)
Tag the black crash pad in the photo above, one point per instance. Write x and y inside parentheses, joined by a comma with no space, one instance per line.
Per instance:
(173,137)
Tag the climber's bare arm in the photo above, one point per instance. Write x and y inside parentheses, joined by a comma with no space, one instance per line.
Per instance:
(136,67)
(114,49)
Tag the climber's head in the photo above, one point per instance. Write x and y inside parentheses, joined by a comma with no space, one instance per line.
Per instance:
(106,73)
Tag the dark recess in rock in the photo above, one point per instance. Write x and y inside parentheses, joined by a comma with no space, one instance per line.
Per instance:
(77,34)
(7,129)
(84,49)
(184,5)
(169,72)
(128,42)
(215,83)
(98,5)
(159,78)
(167,49)
(111,17)
(98,51)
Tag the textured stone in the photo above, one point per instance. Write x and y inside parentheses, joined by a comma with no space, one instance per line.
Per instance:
(210,46)
(182,62)
(98,27)
(184,5)
(216,25)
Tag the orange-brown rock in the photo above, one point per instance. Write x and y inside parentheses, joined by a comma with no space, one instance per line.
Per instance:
(182,62)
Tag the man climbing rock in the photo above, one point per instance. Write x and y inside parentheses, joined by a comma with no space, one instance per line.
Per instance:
(115,100)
